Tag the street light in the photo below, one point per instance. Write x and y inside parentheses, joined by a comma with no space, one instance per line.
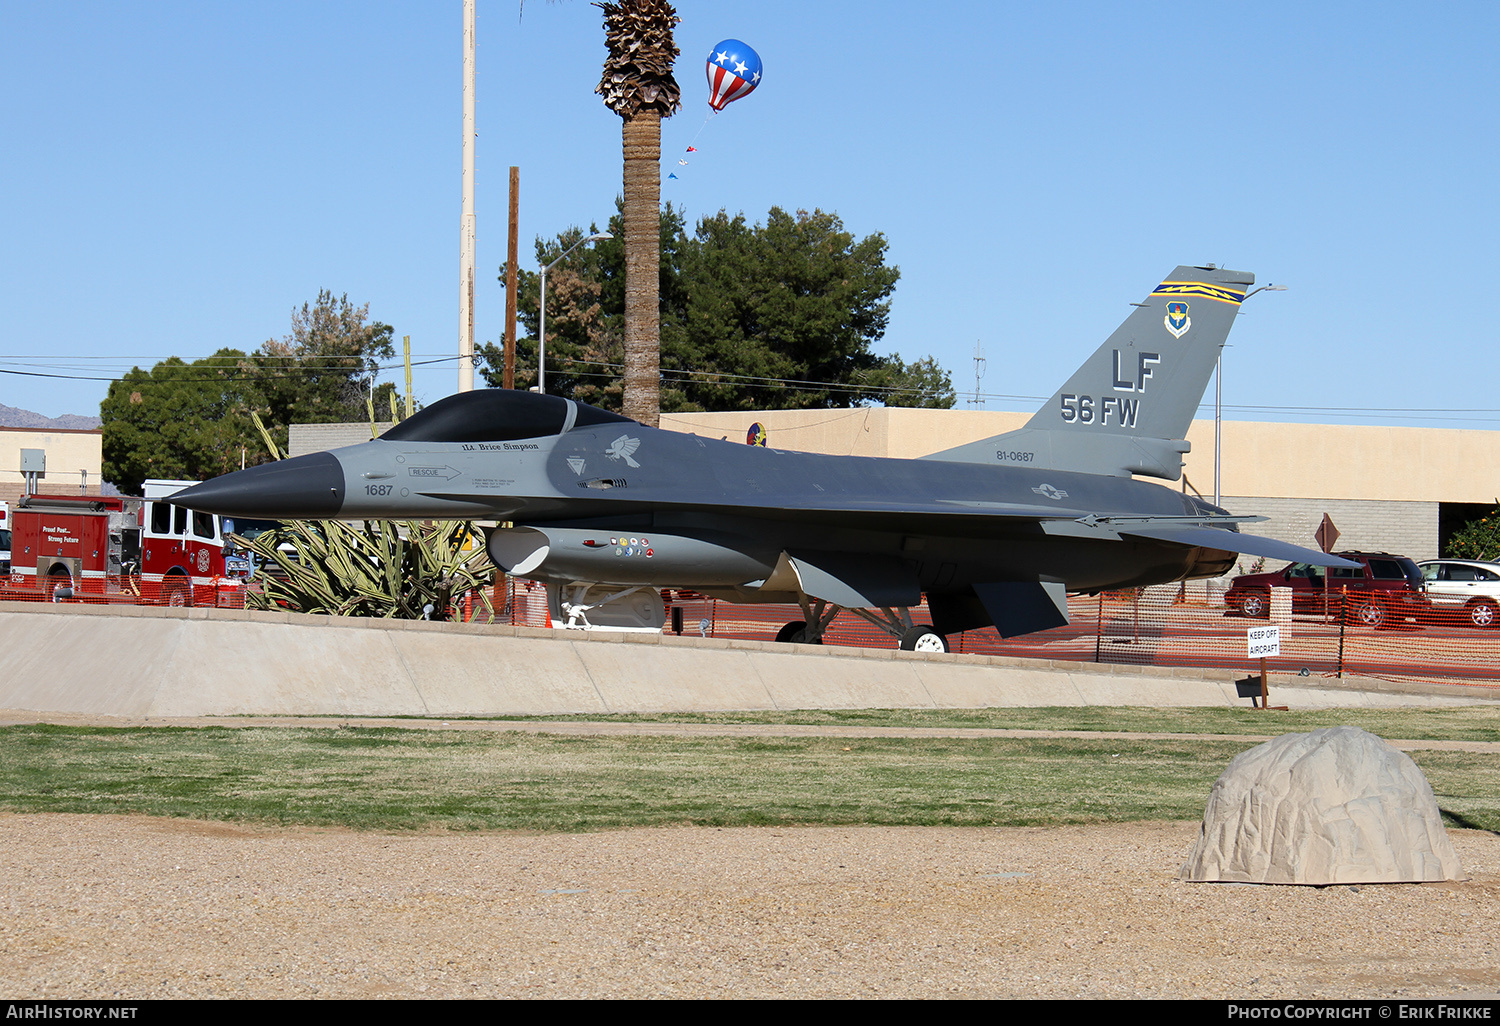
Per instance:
(1219,391)
(541,341)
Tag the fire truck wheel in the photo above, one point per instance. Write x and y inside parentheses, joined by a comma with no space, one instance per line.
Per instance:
(56,582)
(176,593)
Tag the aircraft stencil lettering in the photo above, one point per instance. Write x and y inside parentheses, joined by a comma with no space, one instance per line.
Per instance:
(1143,364)
(994,532)
(1084,410)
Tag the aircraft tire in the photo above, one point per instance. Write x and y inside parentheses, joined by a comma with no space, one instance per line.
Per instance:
(796,633)
(923,639)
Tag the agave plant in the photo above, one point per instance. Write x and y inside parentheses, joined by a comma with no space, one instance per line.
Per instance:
(404,569)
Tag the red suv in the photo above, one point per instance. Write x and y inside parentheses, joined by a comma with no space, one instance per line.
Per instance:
(1384,587)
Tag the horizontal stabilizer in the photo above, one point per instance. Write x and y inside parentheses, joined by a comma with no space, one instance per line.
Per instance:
(854,580)
(1233,541)
(1024,607)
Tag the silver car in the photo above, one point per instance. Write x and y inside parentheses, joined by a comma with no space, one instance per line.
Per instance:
(1464,585)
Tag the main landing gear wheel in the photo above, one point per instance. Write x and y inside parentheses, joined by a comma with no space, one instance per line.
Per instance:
(923,639)
(796,632)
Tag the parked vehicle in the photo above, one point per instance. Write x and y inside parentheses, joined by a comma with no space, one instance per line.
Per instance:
(1384,587)
(4,539)
(1464,587)
(117,547)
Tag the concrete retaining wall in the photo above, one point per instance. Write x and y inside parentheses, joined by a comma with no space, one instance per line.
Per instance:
(161,663)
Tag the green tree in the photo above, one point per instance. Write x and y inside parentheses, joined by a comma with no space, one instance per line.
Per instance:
(179,420)
(797,299)
(586,314)
(321,372)
(193,420)
(920,383)
(1478,539)
(773,316)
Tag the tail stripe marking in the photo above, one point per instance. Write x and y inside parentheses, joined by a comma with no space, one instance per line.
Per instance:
(1220,293)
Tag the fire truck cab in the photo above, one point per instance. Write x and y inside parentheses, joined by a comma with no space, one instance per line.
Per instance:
(185,556)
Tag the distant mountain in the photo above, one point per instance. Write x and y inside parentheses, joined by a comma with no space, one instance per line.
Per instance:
(12,417)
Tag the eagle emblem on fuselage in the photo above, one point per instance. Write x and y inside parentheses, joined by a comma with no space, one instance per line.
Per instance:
(621,448)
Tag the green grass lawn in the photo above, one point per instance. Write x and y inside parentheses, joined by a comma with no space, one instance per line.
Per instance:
(477,779)
(1470,723)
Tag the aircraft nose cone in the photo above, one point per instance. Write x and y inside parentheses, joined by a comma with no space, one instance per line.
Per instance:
(302,488)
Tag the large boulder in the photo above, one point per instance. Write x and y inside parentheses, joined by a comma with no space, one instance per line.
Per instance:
(1335,806)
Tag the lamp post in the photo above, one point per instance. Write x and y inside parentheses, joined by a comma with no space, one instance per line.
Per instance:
(1219,392)
(541,340)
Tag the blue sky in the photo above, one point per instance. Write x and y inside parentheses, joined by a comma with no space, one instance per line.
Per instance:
(176,177)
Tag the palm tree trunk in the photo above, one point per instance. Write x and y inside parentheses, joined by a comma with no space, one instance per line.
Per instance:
(642,214)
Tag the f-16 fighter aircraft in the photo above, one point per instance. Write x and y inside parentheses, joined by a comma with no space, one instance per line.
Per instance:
(996,532)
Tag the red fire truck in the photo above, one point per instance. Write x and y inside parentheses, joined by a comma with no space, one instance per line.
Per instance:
(126,549)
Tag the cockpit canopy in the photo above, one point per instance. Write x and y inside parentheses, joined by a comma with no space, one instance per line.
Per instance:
(497,415)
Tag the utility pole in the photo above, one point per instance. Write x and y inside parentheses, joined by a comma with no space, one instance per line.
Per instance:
(978,373)
(466,223)
(512,258)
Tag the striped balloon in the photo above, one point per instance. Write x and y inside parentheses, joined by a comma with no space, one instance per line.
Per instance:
(733,71)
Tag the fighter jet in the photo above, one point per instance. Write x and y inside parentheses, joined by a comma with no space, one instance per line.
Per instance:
(995,532)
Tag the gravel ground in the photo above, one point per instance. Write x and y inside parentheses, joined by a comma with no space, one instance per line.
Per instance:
(129,907)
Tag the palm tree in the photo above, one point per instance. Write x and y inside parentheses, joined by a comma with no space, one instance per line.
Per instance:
(638,85)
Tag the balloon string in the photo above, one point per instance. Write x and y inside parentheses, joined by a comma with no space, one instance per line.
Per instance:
(692,143)
(707,118)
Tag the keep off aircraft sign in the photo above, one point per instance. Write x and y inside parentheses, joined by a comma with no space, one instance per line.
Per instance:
(1262,642)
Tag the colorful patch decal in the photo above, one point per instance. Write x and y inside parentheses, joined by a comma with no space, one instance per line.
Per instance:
(1177,319)
(1219,293)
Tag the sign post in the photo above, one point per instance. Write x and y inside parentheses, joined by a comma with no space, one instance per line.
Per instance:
(1262,643)
(1326,536)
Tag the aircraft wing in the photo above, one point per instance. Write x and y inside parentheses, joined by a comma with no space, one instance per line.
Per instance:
(1233,541)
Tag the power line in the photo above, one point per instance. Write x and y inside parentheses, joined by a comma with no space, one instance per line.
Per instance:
(258,371)
(305,367)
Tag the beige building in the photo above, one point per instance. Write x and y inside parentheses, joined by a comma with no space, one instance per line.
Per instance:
(1396,489)
(73,461)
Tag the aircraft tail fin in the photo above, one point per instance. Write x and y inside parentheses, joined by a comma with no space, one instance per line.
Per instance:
(1127,409)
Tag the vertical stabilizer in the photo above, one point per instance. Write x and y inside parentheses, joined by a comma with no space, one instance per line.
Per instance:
(1127,409)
